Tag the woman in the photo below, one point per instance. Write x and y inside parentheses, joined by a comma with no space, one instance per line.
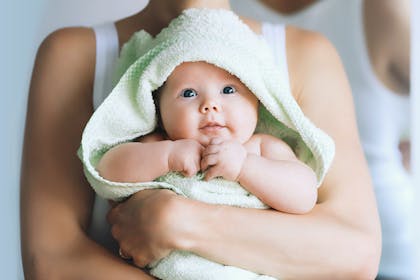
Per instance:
(373,39)
(340,238)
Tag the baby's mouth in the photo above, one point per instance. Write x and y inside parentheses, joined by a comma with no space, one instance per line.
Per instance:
(212,127)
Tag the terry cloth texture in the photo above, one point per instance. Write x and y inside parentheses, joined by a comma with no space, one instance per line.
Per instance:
(218,37)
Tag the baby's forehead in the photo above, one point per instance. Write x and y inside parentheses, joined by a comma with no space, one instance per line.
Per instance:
(196,69)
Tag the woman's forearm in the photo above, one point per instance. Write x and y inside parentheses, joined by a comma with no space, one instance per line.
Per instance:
(312,246)
(81,258)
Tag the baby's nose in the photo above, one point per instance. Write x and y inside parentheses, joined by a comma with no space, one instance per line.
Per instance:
(210,106)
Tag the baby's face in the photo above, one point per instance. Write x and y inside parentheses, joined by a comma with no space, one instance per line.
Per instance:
(201,101)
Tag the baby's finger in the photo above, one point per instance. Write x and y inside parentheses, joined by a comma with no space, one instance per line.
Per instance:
(211,149)
(201,147)
(211,173)
(203,165)
(190,169)
(208,160)
(188,172)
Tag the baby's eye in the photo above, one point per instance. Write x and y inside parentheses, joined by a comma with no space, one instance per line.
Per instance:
(188,93)
(228,90)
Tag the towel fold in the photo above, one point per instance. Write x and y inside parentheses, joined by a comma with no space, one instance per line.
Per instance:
(218,37)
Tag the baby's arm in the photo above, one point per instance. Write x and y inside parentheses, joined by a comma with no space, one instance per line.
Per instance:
(267,168)
(278,178)
(150,158)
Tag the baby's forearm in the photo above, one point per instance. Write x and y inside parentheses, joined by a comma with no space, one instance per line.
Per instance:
(285,185)
(135,162)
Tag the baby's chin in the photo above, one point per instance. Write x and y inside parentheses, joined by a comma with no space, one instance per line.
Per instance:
(205,140)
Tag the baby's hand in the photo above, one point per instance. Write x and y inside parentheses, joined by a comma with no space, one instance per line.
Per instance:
(223,158)
(185,156)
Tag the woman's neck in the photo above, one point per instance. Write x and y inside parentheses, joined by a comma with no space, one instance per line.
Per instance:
(164,11)
(177,6)
(288,6)
(158,13)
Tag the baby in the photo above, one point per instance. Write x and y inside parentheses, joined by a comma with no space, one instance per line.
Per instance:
(207,119)
(207,123)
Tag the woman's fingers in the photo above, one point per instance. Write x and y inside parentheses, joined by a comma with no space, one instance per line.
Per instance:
(142,260)
(123,255)
(112,214)
(144,226)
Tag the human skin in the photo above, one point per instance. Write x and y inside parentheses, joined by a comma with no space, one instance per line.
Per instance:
(209,118)
(216,114)
(288,7)
(387,34)
(339,239)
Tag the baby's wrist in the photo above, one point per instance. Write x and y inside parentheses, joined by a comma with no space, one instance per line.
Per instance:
(169,148)
(242,170)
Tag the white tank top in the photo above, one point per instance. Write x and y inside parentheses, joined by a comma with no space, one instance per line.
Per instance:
(107,51)
(382,116)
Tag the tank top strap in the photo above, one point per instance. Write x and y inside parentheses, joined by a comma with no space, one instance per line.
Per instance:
(107,52)
(107,49)
(275,35)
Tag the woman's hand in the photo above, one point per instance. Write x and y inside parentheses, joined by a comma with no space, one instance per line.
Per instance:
(146,225)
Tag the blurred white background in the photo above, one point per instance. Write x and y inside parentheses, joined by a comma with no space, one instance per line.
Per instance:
(23,26)
(415,105)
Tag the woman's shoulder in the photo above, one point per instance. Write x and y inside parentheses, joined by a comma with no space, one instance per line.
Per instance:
(308,53)
(66,56)
(68,49)
(67,40)
(319,83)
(63,74)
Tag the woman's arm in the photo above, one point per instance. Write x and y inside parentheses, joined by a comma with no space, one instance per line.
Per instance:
(339,239)
(387,32)
(387,28)
(56,201)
